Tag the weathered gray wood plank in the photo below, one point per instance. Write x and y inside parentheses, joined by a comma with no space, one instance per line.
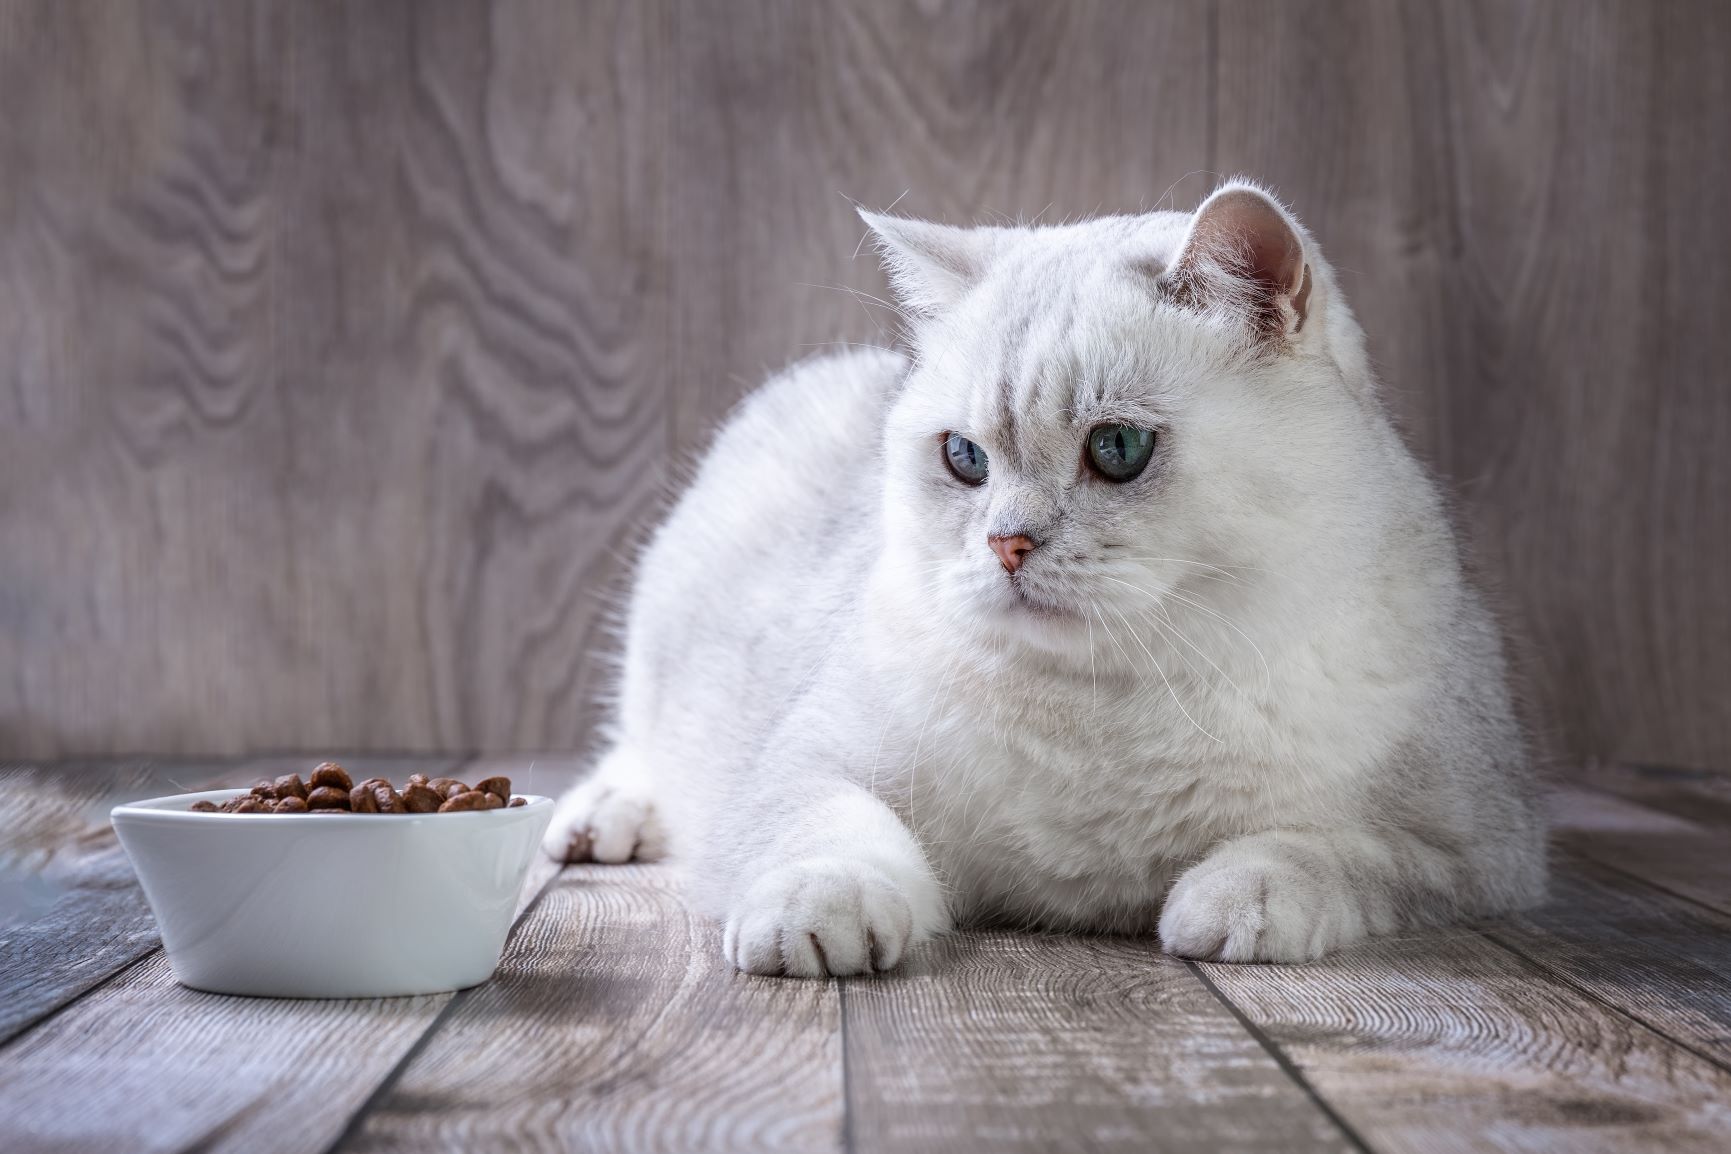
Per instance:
(80,917)
(145,1064)
(1446,1041)
(99,923)
(614,1024)
(1002,1041)
(1656,958)
(142,1063)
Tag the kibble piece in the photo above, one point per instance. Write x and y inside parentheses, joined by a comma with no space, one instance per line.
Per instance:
(290,804)
(499,786)
(420,798)
(387,799)
(447,787)
(264,791)
(361,799)
(331,775)
(203,806)
(417,779)
(290,785)
(515,802)
(473,799)
(328,797)
(248,804)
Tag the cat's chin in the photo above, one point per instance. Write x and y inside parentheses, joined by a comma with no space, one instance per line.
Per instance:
(1030,602)
(1026,616)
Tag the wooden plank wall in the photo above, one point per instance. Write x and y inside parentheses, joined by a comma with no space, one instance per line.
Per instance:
(346,348)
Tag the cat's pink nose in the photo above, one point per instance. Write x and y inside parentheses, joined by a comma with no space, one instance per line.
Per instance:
(1012,551)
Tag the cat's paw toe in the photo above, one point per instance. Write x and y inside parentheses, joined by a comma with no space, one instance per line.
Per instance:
(602,822)
(822,917)
(1250,911)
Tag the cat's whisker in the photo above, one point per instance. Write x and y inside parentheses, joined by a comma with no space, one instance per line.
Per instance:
(1093,674)
(1158,668)
(1207,564)
(862,298)
(1267,669)
(1163,635)
(1137,638)
(1180,634)
(939,700)
(1157,596)
(877,753)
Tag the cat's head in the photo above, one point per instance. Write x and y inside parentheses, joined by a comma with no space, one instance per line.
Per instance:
(1103,416)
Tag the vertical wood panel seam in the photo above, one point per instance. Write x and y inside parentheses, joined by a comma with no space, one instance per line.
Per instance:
(1286,1064)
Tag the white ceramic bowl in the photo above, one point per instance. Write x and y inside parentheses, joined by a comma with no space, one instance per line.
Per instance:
(330,905)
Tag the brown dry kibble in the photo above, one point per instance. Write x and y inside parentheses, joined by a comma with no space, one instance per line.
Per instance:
(333,776)
(473,799)
(374,795)
(499,786)
(419,798)
(330,790)
(328,797)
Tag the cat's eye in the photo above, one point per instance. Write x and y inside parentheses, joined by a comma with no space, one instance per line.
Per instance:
(1120,452)
(965,459)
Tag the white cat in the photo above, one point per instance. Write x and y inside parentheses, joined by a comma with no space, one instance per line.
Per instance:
(1117,605)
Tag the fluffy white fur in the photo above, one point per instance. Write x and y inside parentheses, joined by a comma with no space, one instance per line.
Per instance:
(1248,699)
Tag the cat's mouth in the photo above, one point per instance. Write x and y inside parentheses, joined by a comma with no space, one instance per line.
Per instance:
(1029,599)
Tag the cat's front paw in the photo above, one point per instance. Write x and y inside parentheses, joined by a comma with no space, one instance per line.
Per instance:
(1250,908)
(605,820)
(821,917)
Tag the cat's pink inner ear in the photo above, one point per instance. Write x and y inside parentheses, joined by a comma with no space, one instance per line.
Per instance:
(1242,233)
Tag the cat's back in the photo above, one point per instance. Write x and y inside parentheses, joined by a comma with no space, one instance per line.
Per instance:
(793,453)
(769,541)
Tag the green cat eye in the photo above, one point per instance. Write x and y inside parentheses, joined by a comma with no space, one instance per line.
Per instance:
(965,459)
(1120,452)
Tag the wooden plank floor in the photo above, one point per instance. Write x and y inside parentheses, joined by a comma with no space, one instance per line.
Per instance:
(1600,1022)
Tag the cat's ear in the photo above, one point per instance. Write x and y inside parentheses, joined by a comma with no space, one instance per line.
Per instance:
(1246,254)
(930,265)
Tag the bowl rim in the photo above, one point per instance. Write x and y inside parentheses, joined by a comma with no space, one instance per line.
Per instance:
(157,810)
